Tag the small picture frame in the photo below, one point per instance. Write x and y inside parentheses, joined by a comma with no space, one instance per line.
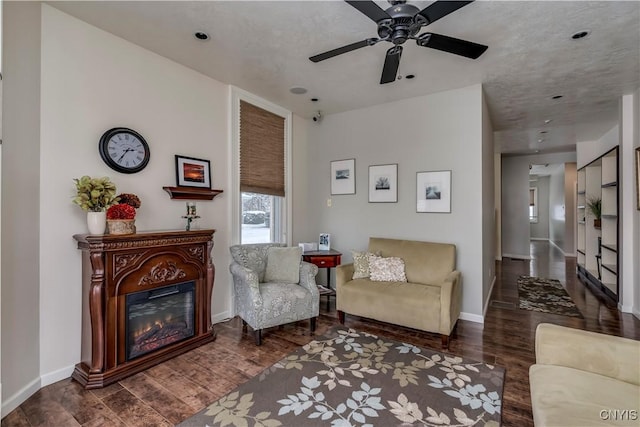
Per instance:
(192,172)
(343,176)
(383,183)
(433,191)
(324,243)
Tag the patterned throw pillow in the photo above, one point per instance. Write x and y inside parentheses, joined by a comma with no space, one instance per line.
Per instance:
(361,264)
(389,269)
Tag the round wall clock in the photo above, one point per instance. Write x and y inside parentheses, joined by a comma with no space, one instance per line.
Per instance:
(124,150)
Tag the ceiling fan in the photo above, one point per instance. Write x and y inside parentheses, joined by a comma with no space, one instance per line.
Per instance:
(402,22)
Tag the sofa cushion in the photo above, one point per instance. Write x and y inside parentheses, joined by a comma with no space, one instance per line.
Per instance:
(562,396)
(361,264)
(283,265)
(409,304)
(390,269)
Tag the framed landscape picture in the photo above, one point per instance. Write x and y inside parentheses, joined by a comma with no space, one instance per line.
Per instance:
(191,172)
(343,176)
(433,191)
(383,183)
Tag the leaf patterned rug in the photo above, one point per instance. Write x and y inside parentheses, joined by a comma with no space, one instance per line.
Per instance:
(350,378)
(546,296)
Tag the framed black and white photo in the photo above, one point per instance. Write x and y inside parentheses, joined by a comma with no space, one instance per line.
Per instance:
(343,176)
(191,172)
(324,243)
(383,183)
(433,191)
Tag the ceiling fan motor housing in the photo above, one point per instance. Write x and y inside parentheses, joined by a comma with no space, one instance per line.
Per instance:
(402,25)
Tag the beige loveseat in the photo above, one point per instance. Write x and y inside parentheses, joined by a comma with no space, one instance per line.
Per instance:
(583,378)
(430,300)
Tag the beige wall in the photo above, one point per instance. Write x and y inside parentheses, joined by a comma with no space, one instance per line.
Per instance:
(90,81)
(442,131)
(20,201)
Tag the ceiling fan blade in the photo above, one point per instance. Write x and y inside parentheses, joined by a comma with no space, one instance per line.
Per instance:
(440,9)
(369,8)
(391,63)
(343,49)
(452,45)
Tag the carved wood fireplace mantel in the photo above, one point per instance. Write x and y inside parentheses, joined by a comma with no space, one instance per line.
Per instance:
(116,267)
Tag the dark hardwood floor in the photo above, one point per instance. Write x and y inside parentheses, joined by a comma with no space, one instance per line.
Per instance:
(172,391)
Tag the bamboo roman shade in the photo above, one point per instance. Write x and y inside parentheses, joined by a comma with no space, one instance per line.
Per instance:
(261,151)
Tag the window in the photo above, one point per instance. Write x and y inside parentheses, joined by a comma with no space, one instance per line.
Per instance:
(261,176)
(533,205)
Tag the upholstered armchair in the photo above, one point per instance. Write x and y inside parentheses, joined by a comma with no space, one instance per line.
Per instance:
(273,286)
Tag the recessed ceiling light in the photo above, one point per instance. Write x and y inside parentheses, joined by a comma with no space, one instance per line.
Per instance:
(541,140)
(546,122)
(544,131)
(410,76)
(580,35)
(201,35)
(556,97)
(537,151)
(298,90)
(314,99)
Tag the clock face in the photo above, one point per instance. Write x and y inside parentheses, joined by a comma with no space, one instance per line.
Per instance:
(124,150)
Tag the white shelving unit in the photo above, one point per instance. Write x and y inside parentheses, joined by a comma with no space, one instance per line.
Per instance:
(597,260)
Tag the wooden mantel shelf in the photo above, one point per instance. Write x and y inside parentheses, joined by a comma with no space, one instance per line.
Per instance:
(191,193)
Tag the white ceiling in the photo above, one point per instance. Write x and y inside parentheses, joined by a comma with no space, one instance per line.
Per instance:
(264,46)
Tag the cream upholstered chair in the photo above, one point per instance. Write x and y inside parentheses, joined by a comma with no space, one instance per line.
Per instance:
(273,286)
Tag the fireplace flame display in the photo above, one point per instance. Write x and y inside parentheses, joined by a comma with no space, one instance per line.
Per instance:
(159,318)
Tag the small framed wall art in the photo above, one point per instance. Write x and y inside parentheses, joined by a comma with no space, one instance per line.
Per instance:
(325,242)
(343,176)
(383,183)
(433,191)
(191,172)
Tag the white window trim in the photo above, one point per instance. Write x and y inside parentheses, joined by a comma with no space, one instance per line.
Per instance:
(237,95)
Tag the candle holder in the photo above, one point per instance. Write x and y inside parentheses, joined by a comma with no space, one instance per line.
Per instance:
(190,219)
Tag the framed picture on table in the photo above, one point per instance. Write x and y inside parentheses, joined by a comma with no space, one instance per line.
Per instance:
(324,243)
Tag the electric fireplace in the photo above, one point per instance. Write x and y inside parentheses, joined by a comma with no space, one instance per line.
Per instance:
(146,298)
(159,318)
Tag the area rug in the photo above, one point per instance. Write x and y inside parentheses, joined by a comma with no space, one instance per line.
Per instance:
(546,296)
(350,378)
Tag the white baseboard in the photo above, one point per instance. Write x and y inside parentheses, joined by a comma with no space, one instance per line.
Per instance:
(17,399)
(516,256)
(486,303)
(471,317)
(54,377)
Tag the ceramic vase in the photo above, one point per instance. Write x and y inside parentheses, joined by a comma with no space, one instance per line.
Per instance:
(96,222)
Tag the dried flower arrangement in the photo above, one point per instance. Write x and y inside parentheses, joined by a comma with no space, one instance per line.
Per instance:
(121,211)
